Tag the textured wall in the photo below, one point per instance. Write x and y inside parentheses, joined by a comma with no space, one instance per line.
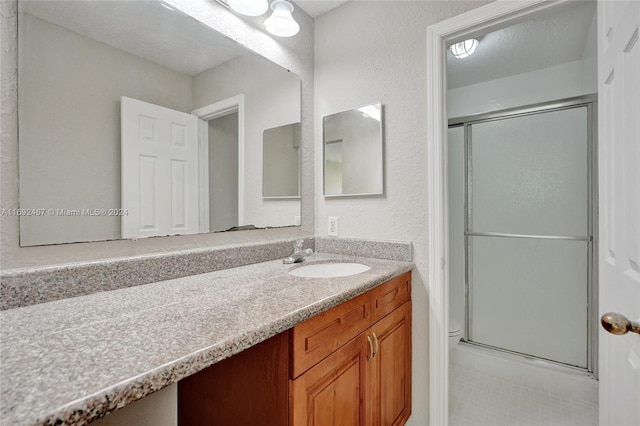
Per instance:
(368,51)
(295,54)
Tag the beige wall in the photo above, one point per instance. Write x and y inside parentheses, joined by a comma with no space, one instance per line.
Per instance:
(295,54)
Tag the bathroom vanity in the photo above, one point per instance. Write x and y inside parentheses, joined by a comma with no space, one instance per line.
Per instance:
(348,365)
(250,333)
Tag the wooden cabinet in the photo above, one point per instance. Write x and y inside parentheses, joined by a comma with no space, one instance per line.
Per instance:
(350,365)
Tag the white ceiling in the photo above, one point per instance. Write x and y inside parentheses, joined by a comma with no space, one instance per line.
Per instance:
(564,34)
(315,8)
(150,30)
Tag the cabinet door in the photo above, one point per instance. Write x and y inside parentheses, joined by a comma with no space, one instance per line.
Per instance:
(390,368)
(333,391)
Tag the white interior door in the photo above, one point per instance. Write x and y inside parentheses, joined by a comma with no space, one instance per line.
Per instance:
(159,170)
(619,157)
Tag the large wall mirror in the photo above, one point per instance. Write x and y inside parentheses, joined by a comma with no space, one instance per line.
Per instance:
(137,120)
(353,152)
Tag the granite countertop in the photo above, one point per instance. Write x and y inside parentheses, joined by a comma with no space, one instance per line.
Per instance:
(74,360)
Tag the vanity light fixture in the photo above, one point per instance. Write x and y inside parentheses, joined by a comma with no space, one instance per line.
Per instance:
(464,48)
(281,23)
(249,7)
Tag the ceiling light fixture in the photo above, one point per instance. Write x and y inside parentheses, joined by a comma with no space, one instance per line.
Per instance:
(281,23)
(249,7)
(464,48)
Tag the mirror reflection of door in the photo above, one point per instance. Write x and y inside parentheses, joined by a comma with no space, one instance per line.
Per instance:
(161,176)
(159,170)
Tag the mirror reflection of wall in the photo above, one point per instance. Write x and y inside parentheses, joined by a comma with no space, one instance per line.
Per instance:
(353,152)
(73,69)
(223,172)
(281,162)
(333,167)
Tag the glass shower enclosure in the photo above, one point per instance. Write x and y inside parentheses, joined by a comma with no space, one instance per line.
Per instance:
(521,190)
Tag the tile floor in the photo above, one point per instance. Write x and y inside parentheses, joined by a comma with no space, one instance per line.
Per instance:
(479,399)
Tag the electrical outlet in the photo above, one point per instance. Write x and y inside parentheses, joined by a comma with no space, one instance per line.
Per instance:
(333,226)
(296,220)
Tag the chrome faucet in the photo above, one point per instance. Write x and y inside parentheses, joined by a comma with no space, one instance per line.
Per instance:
(298,255)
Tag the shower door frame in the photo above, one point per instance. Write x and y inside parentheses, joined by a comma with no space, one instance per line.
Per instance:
(590,102)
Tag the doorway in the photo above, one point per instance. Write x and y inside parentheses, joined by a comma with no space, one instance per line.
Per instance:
(221,181)
(472,24)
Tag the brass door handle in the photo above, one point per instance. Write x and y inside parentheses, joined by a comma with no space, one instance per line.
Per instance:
(618,324)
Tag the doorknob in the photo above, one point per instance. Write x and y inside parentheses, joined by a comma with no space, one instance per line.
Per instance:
(616,323)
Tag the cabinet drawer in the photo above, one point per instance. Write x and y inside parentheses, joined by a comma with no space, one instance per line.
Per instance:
(317,337)
(390,295)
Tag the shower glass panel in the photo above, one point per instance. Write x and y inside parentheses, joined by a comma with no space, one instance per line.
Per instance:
(530,174)
(530,296)
(527,233)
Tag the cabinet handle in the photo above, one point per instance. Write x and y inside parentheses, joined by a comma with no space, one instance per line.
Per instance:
(377,344)
(371,353)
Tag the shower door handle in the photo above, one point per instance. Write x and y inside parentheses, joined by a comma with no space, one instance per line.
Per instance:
(616,323)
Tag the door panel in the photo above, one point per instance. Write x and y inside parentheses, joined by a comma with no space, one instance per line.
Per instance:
(159,170)
(619,94)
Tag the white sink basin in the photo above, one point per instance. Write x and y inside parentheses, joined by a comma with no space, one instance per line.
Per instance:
(329,270)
